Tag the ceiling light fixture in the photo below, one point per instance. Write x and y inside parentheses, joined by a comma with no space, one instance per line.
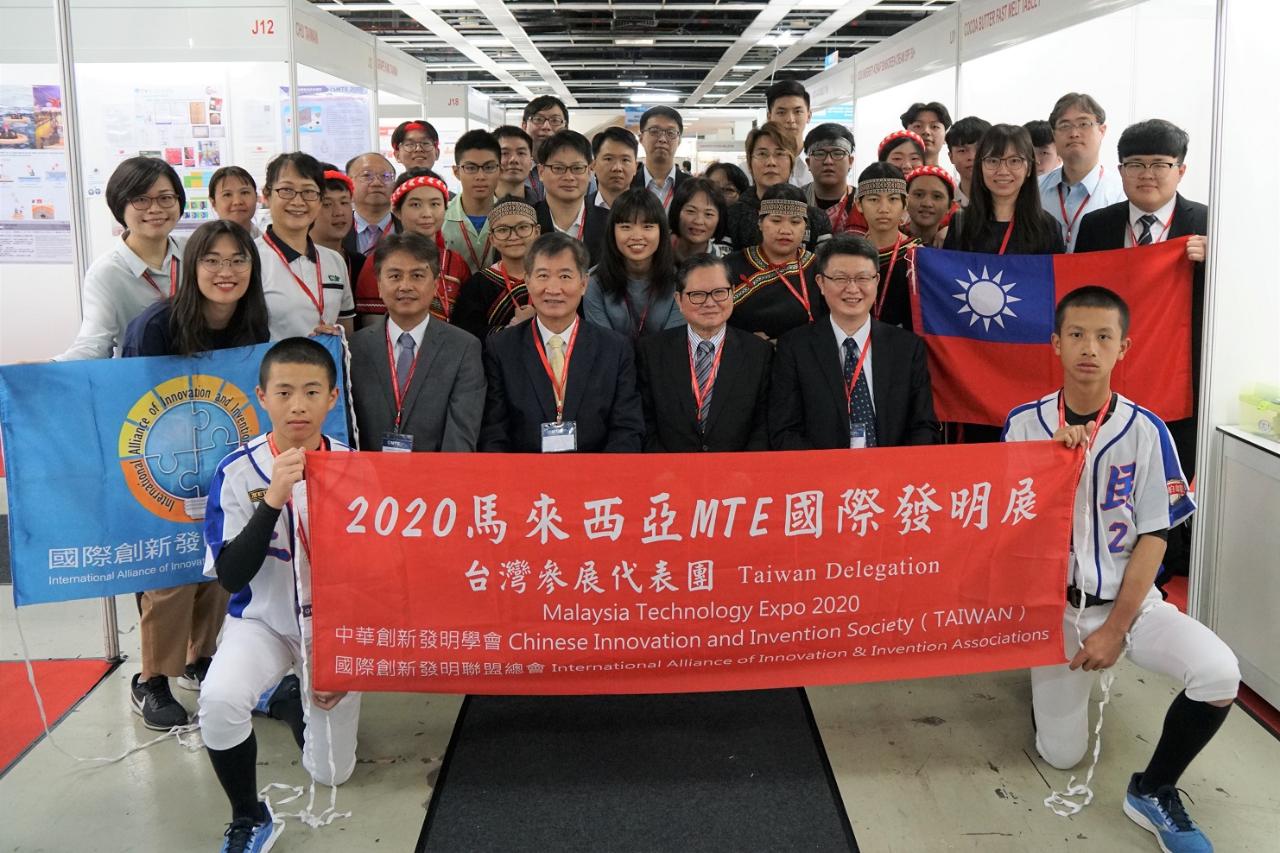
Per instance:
(639,42)
(653,98)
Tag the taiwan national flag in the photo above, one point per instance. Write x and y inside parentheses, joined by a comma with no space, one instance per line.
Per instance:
(987,320)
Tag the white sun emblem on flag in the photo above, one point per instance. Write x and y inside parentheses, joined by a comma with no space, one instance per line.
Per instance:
(985,298)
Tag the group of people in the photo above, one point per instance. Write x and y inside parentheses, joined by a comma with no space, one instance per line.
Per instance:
(573,296)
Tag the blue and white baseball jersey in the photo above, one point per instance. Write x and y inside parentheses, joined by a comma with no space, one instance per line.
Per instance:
(239,484)
(1132,484)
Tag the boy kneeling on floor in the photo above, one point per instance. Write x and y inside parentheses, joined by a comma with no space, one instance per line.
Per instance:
(251,531)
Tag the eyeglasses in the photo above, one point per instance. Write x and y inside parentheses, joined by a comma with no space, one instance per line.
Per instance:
(423,145)
(472,168)
(143,202)
(762,156)
(994,163)
(1160,168)
(289,194)
(547,121)
(558,169)
(843,281)
(239,263)
(1084,126)
(698,297)
(380,177)
(505,232)
(668,133)
(836,154)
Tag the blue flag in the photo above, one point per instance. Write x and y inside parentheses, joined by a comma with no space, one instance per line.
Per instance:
(994,298)
(108,465)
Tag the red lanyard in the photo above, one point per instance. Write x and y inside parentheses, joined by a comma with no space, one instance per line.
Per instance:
(802,296)
(1097,424)
(395,380)
(1062,202)
(700,393)
(857,371)
(173,278)
(1008,232)
(1133,239)
(442,285)
(471,249)
(632,314)
(506,282)
(582,225)
(840,218)
(558,386)
(318,302)
(888,278)
(666,200)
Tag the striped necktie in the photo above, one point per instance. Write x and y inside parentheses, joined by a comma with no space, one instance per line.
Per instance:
(701,372)
(1145,238)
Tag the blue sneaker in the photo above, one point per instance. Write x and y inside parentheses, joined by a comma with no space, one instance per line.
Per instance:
(245,836)
(1162,814)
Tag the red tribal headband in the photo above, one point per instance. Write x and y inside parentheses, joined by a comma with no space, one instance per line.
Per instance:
(894,139)
(417,183)
(335,175)
(935,172)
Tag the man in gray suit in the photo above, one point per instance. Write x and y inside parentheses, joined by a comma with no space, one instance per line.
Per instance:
(417,383)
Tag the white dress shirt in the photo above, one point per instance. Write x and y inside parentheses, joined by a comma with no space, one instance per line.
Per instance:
(664,190)
(369,233)
(717,340)
(417,333)
(578,229)
(1159,231)
(565,336)
(860,339)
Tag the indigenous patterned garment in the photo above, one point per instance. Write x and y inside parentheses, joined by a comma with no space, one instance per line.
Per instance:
(488,301)
(773,299)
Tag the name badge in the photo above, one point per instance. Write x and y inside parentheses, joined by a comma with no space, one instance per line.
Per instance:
(560,437)
(857,436)
(395,442)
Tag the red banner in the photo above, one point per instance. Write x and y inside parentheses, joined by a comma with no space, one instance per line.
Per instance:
(481,573)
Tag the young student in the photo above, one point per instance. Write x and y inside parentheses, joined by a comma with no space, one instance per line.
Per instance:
(496,297)
(632,291)
(1004,213)
(931,122)
(565,164)
(773,286)
(218,304)
(306,285)
(962,147)
(416,385)
(1132,492)
(787,105)
(517,163)
(1047,158)
(415,144)
(234,195)
(477,161)
(930,198)
(829,154)
(252,531)
(902,148)
(699,220)
(882,201)
(614,150)
(730,180)
(145,195)
(334,223)
(771,158)
(660,131)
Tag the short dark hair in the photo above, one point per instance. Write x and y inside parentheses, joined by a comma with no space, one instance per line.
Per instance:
(564,139)
(785,89)
(828,131)
(661,112)
(133,177)
(508,131)
(297,351)
(353,160)
(553,244)
(785,192)
(703,260)
(303,163)
(733,174)
(404,128)
(420,247)
(913,112)
(410,174)
(844,244)
(687,190)
(614,134)
(1091,296)
(188,327)
(476,140)
(1155,136)
(1041,132)
(230,172)
(1084,103)
(967,131)
(880,169)
(543,102)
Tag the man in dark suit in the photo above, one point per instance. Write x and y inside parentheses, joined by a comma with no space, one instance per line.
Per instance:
(849,381)
(417,383)
(556,383)
(704,386)
(565,168)
(660,132)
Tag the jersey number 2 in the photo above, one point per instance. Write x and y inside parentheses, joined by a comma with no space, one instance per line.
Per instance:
(1116,545)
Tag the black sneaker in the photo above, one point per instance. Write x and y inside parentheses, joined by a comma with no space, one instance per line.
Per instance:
(195,674)
(246,836)
(155,704)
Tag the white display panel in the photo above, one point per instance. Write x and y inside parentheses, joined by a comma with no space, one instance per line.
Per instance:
(337,117)
(876,116)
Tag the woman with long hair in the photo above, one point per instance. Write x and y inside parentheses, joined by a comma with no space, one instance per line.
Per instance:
(1004,215)
(218,304)
(699,220)
(496,297)
(774,289)
(632,290)
(771,158)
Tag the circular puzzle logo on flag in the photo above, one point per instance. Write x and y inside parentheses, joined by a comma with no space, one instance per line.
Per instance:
(174,437)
